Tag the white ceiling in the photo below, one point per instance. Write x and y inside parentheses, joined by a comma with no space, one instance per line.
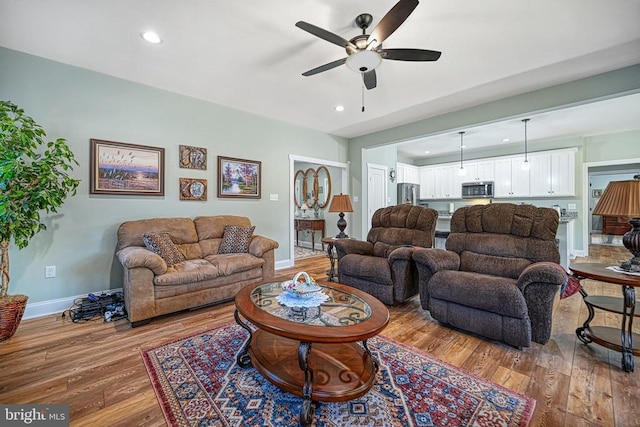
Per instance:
(249,55)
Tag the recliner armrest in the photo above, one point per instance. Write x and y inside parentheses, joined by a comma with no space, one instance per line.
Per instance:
(437,259)
(542,272)
(402,253)
(352,246)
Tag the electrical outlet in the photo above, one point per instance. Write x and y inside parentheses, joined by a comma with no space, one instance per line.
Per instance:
(273,197)
(571,206)
(49,271)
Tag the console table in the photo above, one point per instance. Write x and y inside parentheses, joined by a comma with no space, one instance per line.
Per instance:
(311,224)
(615,339)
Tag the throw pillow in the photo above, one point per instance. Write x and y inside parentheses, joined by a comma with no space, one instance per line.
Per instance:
(161,244)
(236,239)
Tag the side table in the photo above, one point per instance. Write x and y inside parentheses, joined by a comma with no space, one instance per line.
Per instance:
(615,339)
(332,258)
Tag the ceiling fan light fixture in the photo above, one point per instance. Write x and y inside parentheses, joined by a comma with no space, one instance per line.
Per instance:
(363,61)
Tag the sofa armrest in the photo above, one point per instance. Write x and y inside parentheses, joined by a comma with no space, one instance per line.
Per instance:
(260,244)
(138,257)
(435,260)
(539,284)
(352,246)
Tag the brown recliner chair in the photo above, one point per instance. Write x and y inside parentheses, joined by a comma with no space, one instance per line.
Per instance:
(383,266)
(499,275)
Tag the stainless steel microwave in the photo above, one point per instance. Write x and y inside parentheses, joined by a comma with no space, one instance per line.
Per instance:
(477,190)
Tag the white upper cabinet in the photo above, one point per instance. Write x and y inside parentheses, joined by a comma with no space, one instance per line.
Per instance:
(552,173)
(511,180)
(407,173)
(427,182)
(479,170)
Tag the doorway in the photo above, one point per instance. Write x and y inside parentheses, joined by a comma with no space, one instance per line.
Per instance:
(339,173)
(376,191)
(599,174)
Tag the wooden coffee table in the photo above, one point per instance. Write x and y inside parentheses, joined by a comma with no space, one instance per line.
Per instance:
(318,353)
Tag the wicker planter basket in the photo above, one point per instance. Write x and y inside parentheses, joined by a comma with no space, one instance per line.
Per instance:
(11,311)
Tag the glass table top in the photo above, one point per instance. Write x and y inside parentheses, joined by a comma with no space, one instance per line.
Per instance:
(341,308)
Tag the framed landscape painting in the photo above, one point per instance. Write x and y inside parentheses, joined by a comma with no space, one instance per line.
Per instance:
(239,178)
(128,169)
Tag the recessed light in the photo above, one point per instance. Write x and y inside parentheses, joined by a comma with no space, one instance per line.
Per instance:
(505,139)
(151,37)
(339,108)
(427,152)
(463,146)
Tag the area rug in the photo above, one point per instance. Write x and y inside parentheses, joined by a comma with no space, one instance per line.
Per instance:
(198,383)
(302,253)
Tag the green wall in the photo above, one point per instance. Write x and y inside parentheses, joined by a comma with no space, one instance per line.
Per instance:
(78,104)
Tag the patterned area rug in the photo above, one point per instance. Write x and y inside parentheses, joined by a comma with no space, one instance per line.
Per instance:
(301,253)
(198,382)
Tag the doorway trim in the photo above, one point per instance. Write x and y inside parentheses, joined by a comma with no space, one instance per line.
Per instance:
(586,192)
(344,188)
(366,223)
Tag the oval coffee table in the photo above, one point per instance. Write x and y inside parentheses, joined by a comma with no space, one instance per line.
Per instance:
(312,352)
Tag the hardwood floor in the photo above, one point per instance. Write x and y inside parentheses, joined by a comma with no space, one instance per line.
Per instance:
(96,367)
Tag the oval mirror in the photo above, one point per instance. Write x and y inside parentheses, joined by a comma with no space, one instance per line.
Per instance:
(323,189)
(299,188)
(311,190)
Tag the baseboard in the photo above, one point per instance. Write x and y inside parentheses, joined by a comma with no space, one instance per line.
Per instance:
(44,308)
(283,264)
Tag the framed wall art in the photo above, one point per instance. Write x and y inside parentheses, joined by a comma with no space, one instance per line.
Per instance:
(193,189)
(239,178)
(193,157)
(128,169)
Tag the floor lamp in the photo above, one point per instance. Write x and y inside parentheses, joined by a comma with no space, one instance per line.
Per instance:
(622,199)
(341,203)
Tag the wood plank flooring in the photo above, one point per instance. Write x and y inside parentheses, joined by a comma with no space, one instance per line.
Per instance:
(96,367)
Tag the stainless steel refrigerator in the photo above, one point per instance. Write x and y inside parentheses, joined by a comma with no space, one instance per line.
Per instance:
(408,193)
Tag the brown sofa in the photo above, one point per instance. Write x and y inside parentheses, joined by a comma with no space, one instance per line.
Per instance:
(152,287)
(382,266)
(499,275)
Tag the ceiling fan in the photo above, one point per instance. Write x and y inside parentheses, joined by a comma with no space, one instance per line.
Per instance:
(365,52)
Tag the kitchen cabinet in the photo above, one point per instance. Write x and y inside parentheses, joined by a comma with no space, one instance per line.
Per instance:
(511,180)
(552,173)
(427,182)
(479,171)
(407,173)
(448,181)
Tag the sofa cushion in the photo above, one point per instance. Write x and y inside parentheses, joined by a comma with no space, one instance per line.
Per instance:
(236,239)
(227,264)
(190,271)
(494,294)
(161,244)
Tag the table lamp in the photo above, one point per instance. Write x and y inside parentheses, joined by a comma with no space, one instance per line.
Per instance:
(341,203)
(622,199)
(303,208)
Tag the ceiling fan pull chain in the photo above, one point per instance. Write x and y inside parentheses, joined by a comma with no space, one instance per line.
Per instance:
(362,88)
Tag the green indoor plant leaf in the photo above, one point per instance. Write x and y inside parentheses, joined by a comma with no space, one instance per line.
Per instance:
(33,178)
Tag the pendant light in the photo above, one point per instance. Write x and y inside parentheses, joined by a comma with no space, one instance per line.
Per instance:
(461,172)
(525,164)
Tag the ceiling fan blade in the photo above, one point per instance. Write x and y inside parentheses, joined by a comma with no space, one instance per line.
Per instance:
(391,21)
(324,34)
(410,54)
(324,67)
(370,80)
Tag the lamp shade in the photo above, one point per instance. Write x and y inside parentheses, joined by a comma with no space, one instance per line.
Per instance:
(341,203)
(621,199)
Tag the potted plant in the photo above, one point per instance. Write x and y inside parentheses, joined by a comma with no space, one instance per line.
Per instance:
(33,179)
